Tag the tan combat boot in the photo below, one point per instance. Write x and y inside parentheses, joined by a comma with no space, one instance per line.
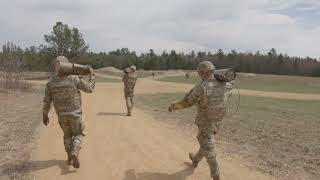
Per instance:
(216,177)
(75,157)
(194,162)
(129,112)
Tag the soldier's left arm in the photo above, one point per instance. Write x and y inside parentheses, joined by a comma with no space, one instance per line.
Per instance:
(125,77)
(189,100)
(86,86)
(47,100)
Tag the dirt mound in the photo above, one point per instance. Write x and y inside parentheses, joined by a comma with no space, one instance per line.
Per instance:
(108,69)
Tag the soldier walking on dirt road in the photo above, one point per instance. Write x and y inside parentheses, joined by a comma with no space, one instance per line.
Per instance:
(129,80)
(187,75)
(64,91)
(209,95)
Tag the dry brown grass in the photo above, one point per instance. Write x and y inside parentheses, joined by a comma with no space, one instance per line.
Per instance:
(11,77)
(278,136)
(20,116)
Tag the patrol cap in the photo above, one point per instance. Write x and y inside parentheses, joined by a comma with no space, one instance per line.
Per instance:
(206,66)
(133,67)
(61,59)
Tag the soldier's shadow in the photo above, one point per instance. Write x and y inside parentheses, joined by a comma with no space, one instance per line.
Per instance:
(30,166)
(110,114)
(180,175)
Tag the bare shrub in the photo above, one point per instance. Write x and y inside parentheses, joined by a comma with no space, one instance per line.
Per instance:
(11,76)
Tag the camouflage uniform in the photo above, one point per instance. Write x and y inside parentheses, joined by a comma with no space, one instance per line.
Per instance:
(64,92)
(187,75)
(210,98)
(129,80)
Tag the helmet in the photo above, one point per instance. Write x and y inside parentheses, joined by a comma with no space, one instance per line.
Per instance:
(126,70)
(133,67)
(206,66)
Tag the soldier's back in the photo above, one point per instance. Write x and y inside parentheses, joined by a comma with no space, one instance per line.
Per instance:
(65,94)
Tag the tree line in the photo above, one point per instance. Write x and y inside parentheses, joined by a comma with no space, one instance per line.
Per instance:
(67,41)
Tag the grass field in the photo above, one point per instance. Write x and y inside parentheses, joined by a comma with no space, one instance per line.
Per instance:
(293,84)
(46,76)
(281,136)
(141,74)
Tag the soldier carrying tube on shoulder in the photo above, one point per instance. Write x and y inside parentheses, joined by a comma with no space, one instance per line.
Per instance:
(129,80)
(63,90)
(209,96)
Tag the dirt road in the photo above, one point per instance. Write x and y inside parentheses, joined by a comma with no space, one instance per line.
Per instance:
(117,147)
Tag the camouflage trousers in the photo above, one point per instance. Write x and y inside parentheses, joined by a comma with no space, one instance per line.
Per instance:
(129,102)
(72,128)
(207,147)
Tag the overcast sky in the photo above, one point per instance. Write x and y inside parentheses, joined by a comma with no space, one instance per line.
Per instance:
(290,26)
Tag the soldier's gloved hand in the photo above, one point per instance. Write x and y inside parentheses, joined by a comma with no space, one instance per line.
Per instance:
(45,119)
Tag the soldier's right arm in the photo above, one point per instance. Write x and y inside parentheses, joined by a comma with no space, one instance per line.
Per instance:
(47,100)
(86,86)
(189,100)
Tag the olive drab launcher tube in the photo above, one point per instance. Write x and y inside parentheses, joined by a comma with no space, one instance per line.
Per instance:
(225,75)
(70,68)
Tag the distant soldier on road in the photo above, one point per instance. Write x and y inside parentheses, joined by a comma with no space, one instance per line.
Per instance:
(129,80)
(187,75)
(153,74)
(64,91)
(210,97)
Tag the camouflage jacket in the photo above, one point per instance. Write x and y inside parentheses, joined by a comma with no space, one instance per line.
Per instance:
(210,98)
(64,92)
(129,81)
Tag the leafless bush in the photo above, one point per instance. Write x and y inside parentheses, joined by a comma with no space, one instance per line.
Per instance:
(11,76)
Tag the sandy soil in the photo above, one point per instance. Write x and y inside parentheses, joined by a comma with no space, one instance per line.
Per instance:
(128,148)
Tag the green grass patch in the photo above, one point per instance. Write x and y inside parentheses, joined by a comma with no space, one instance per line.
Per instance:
(282,132)
(290,84)
(258,112)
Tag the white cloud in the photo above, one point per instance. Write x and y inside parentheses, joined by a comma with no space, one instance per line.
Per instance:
(243,25)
